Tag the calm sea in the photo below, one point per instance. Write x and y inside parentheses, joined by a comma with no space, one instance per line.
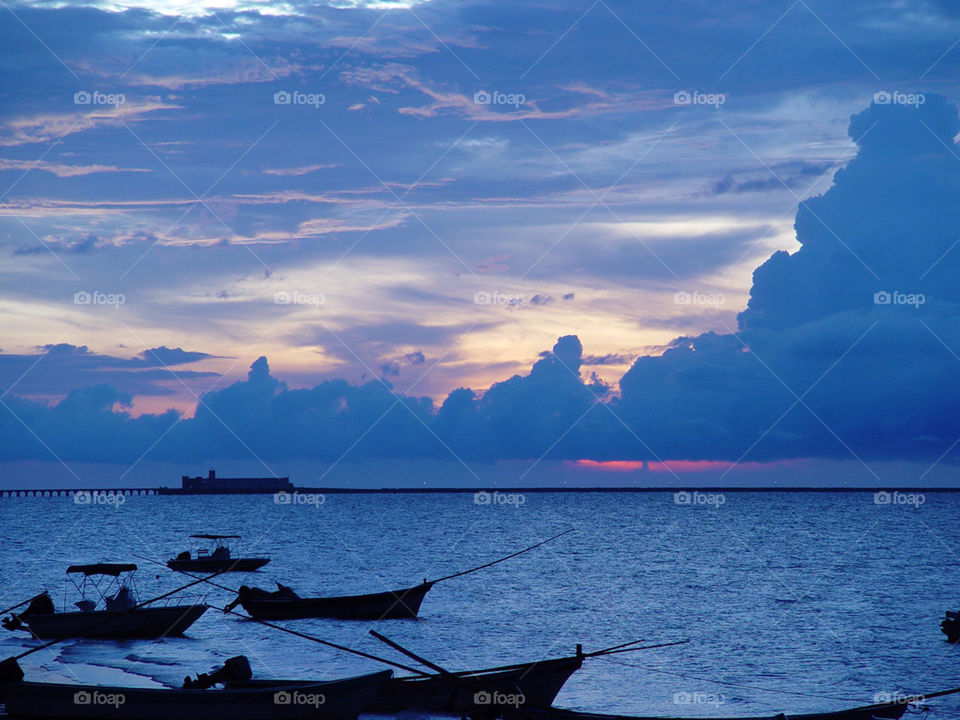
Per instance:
(792,602)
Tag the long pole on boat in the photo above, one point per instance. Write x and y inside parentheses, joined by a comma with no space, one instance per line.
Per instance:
(296,633)
(84,630)
(184,572)
(410,654)
(507,557)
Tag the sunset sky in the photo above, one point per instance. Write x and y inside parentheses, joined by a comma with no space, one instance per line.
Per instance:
(424,196)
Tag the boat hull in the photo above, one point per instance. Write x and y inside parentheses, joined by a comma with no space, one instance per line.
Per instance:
(213,565)
(882,711)
(531,684)
(148,622)
(341,700)
(538,683)
(392,605)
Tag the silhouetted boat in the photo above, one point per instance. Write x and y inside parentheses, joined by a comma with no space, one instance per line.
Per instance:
(120,617)
(880,711)
(457,693)
(219,559)
(327,700)
(950,626)
(285,604)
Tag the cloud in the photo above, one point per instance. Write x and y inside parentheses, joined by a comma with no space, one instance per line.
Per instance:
(848,346)
(56,368)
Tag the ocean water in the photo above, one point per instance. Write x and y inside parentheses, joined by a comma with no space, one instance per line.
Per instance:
(792,602)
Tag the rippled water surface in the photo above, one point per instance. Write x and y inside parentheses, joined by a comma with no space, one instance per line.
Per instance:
(795,602)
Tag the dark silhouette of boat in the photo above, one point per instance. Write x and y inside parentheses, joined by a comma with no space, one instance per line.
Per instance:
(950,626)
(458,692)
(120,617)
(285,604)
(342,699)
(217,560)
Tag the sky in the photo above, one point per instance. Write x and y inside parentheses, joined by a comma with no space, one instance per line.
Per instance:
(620,239)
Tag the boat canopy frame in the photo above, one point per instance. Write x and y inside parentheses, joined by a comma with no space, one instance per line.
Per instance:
(118,574)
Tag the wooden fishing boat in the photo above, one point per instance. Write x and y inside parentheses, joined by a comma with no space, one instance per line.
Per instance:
(285,604)
(328,700)
(480,691)
(120,617)
(218,560)
(464,693)
(879,711)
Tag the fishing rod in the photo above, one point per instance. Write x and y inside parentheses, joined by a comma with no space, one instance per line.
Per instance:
(299,634)
(112,618)
(184,572)
(494,562)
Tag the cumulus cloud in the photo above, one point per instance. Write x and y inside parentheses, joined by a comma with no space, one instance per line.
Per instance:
(848,346)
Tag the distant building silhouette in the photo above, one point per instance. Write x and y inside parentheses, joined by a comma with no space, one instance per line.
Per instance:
(213,484)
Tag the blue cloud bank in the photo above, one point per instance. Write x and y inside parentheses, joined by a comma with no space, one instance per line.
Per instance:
(848,346)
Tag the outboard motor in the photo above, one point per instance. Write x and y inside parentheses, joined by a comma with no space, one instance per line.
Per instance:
(42,604)
(236,669)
